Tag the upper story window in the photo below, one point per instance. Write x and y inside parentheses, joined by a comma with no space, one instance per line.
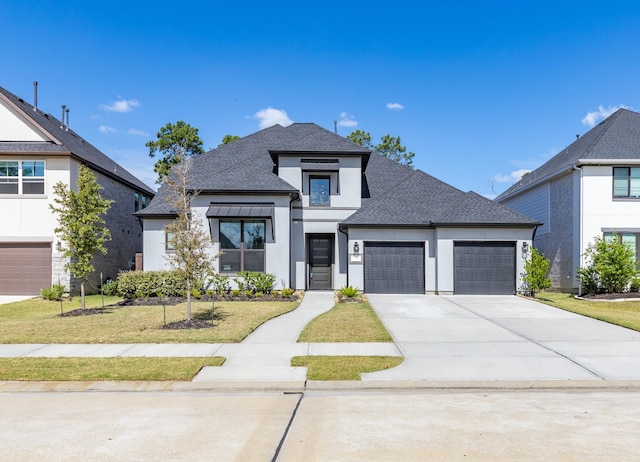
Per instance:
(319,191)
(22,177)
(140,201)
(242,244)
(626,182)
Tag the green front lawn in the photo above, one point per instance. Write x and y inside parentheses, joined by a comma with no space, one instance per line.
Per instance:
(624,313)
(39,321)
(343,367)
(67,369)
(346,322)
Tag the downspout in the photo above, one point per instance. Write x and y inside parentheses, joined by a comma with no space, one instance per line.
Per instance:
(581,237)
(346,234)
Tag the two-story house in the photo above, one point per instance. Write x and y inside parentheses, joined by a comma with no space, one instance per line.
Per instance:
(321,212)
(36,152)
(590,189)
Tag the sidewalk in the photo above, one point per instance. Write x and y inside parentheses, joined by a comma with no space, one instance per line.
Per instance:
(265,355)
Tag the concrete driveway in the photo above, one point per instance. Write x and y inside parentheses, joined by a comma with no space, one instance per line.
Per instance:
(501,338)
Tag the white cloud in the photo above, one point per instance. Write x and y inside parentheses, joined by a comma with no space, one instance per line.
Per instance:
(347,120)
(511,177)
(123,105)
(134,131)
(106,129)
(395,106)
(269,117)
(593,117)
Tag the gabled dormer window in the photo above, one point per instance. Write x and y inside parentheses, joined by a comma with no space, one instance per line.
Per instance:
(626,182)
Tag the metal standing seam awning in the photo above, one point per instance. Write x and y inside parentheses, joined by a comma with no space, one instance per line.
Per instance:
(245,210)
(332,165)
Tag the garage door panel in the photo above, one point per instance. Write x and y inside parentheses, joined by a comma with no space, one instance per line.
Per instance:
(484,268)
(25,268)
(394,267)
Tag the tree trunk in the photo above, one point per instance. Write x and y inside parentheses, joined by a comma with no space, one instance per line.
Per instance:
(188,299)
(82,304)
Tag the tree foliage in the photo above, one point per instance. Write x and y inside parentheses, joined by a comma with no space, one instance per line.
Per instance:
(174,142)
(536,268)
(389,146)
(226,139)
(611,265)
(191,254)
(80,224)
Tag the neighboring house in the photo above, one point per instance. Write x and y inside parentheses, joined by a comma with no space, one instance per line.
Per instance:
(590,189)
(36,152)
(321,212)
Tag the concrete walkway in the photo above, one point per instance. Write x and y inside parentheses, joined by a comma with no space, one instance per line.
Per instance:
(475,338)
(264,356)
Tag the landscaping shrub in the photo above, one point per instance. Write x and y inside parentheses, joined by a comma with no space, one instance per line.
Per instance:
(221,284)
(110,288)
(255,281)
(348,291)
(635,284)
(612,261)
(55,292)
(287,292)
(536,268)
(588,279)
(142,284)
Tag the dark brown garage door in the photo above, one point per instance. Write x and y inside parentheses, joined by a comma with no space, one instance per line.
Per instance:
(25,268)
(485,268)
(394,267)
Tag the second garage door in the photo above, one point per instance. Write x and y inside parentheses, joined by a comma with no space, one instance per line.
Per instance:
(394,267)
(25,268)
(485,268)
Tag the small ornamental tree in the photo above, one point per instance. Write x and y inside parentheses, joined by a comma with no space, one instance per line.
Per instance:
(80,224)
(191,244)
(612,262)
(536,268)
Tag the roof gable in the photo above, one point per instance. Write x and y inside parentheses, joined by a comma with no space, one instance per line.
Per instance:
(615,138)
(63,140)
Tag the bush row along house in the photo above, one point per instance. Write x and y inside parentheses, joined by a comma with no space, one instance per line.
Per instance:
(37,151)
(589,189)
(321,212)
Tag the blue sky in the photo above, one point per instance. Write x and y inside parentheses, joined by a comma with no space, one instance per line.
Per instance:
(480,91)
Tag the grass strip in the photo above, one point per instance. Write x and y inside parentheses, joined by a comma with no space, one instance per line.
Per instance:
(343,367)
(346,322)
(39,321)
(81,369)
(623,313)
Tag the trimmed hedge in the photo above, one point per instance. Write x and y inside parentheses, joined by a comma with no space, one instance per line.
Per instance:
(142,284)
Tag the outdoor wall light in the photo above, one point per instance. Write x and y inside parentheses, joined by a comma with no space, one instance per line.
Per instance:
(356,248)
(525,247)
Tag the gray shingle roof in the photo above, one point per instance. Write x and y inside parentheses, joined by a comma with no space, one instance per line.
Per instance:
(404,197)
(395,195)
(615,138)
(71,143)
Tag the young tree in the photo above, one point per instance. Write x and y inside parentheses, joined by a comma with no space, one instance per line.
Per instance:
(389,146)
(612,261)
(80,224)
(175,142)
(191,254)
(536,268)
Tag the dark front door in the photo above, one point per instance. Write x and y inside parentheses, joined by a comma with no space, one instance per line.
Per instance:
(320,260)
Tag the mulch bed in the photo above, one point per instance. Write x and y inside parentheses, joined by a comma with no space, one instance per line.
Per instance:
(193,324)
(612,296)
(85,312)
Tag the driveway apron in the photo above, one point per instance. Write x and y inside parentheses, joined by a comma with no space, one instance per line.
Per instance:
(501,338)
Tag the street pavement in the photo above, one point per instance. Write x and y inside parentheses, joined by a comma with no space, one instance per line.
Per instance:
(330,425)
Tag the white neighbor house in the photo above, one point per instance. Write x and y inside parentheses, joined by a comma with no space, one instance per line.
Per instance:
(591,188)
(37,151)
(321,212)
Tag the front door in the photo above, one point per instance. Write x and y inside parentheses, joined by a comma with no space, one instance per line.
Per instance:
(320,261)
